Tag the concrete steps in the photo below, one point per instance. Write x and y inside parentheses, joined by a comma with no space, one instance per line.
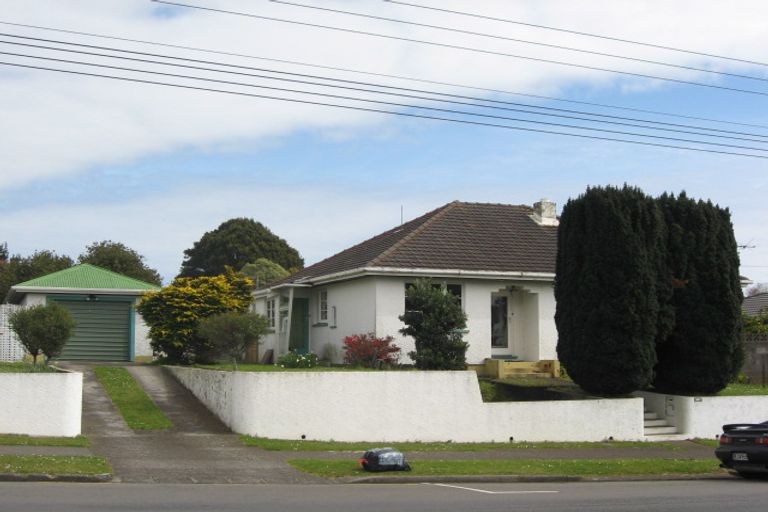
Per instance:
(656,428)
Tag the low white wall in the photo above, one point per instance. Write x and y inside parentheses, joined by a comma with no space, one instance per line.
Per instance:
(41,404)
(399,406)
(705,416)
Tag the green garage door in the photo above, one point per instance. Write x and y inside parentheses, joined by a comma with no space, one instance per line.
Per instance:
(103,331)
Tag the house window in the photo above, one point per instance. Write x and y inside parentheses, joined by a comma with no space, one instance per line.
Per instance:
(453,289)
(271,312)
(322,305)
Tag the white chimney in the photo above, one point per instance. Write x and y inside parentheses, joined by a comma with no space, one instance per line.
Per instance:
(545,213)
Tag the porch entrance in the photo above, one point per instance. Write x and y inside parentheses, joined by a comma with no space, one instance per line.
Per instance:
(299,337)
(502,343)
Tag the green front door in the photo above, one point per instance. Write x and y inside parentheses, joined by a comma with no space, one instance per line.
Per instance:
(299,341)
(102,333)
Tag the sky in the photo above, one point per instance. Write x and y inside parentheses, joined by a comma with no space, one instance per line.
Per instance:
(85,158)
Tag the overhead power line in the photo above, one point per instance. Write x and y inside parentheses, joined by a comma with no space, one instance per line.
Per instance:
(385,75)
(462,48)
(579,33)
(402,91)
(390,103)
(516,40)
(382,111)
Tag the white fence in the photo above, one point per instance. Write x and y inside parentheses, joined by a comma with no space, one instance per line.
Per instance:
(10,348)
(41,404)
(399,406)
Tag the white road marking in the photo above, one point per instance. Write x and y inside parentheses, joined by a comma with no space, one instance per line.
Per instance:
(483,491)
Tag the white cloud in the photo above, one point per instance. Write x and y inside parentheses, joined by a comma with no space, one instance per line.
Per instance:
(59,124)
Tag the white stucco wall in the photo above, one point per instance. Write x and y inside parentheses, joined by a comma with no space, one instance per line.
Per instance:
(33,299)
(374,304)
(141,336)
(399,406)
(41,404)
(355,304)
(705,416)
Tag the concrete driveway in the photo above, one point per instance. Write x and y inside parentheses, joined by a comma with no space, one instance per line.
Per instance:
(199,449)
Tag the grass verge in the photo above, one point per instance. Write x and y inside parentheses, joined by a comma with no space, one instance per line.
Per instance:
(276,368)
(26,368)
(524,467)
(21,440)
(743,390)
(712,443)
(138,410)
(53,465)
(338,446)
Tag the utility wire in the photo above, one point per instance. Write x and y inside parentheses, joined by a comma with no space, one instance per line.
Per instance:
(381,111)
(384,75)
(356,83)
(579,33)
(390,104)
(516,40)
(462,48)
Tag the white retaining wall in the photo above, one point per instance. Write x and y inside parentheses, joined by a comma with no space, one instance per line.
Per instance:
(41,404)
(399,406)
(705,416)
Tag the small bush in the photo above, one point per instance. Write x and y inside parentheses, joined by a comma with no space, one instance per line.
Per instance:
(43,329)
(368,351)
(296,360)
(232,333)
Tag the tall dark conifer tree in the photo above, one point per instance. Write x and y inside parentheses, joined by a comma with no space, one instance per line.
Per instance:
(703,352)
(610,247)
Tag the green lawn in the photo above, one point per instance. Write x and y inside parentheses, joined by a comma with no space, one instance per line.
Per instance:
(743,390)
(525,467)
(25,368)
(20,440)
(273,368)
(337,446)
(712,443)
(138,410)
(53,465)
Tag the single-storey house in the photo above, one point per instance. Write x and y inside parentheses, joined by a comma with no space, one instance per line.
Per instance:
(498,259)
(102,302)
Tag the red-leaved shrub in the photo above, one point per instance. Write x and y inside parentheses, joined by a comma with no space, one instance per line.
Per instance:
(368,351)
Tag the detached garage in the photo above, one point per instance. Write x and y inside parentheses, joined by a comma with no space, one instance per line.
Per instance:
(103,303)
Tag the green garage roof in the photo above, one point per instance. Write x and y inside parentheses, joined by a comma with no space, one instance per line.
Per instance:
(87,277)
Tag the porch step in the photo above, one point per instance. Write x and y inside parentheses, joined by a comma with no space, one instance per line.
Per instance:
(656,431)
(650,416)
(655,423)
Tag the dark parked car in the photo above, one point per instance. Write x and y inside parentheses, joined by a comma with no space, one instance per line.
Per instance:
(744,449)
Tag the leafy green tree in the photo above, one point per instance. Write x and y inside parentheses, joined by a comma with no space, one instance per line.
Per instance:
(23,268)
(174,312)
(264,272)
(42,329)
(436,322)
(608,308)
(704,352)
(3,253)
(235,243)
(116,257)
(232,333)
(757,324)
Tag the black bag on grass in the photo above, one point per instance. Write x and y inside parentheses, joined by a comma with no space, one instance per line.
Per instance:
(384,459)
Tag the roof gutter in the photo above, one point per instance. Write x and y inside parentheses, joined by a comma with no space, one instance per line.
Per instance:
(266,291)
(422,272)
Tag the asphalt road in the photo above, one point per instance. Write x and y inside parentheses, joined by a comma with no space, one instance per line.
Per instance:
(698,496)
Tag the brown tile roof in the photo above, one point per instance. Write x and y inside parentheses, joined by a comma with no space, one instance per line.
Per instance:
(755,304)
(457,236)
